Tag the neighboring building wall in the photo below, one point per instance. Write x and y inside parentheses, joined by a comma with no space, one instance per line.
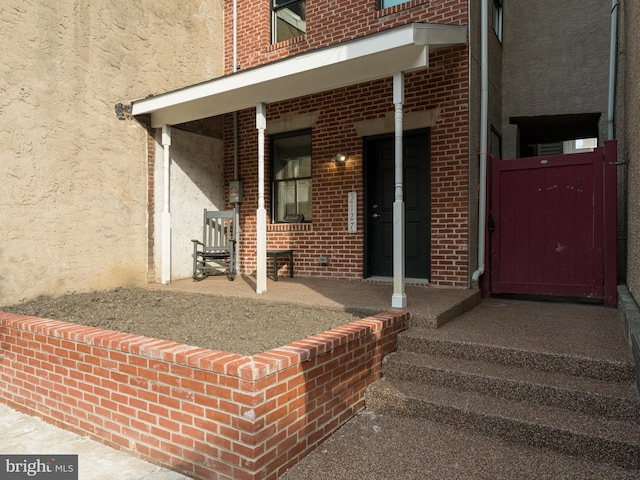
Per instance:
(630,45)
(73,193)
(440,90)
(556,61)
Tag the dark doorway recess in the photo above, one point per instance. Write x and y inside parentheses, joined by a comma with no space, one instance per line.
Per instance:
(379,197)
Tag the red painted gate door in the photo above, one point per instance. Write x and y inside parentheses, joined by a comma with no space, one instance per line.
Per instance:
(548,225)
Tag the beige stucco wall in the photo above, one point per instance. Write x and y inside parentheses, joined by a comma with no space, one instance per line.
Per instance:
(73,178)
(556,61)
(196,182)
(630,44)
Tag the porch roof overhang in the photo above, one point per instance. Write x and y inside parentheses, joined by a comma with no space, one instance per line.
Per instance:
(380,55)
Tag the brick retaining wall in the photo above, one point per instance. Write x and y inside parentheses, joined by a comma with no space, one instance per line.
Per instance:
(204,413)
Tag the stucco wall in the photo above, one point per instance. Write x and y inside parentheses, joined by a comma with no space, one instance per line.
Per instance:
(73,180)
(196,182)
(631,45)
(556,59)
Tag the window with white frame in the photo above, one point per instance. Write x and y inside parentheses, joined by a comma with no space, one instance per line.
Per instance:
(497,18)
(288,19)
(291,176)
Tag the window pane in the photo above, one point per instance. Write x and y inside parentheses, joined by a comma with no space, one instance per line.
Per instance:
(286,199)
(289,21)
(292,157)
(497,18)
(391,3)
(304,198)
(291,175)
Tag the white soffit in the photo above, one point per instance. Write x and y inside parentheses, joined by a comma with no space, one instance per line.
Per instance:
(368,58)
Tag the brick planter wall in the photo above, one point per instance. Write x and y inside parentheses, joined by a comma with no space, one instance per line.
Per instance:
(205,413)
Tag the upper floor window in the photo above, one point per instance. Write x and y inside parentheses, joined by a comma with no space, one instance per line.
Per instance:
(497,18)
(291,176)
(390,3)
(288,19)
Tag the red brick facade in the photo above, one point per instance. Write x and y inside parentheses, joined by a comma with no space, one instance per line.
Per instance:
(328,23)
(206,413)
(444,85)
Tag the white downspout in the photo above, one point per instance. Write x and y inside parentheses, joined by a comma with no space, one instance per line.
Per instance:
(261,213)
(399,297)
(612,70)
(484,114)
(166,212)
(234,69)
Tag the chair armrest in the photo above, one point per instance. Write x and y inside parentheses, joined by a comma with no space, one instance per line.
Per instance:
(198,242)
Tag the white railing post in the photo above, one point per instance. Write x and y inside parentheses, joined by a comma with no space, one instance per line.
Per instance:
(261,213)
(165,276)
(399,298)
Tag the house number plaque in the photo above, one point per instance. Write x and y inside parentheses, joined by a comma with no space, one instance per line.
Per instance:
(352,220)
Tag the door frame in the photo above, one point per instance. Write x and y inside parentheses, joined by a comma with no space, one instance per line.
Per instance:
(366,171)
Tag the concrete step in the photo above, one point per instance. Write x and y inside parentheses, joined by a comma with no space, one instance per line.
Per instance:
(419,340)
(581,394)
(598,438)
(428,319)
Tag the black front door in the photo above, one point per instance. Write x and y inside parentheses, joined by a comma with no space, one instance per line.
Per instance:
(380,181)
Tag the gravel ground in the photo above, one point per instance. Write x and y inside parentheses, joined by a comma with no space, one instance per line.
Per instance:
(229,324)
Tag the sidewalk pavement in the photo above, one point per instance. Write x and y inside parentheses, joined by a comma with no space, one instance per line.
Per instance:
(21,434)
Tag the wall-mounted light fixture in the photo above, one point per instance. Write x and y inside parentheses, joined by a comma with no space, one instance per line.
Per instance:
(339,159)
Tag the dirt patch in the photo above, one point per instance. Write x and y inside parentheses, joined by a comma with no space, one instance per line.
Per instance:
(229,324)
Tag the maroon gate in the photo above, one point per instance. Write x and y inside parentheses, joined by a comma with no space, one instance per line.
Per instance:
(551,220)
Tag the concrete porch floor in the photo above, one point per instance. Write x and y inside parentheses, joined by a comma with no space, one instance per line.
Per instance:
(548,326)
(383,447)
(428,305)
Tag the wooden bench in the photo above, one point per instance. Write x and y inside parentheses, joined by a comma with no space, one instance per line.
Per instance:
(275,255)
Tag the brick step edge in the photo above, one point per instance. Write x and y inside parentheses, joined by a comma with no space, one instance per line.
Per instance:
(581,394)
(601,440)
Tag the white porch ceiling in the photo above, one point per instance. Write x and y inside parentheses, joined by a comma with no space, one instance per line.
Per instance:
(376,56)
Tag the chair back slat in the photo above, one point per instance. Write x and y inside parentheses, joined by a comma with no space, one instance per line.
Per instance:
(217,249)
(218,229)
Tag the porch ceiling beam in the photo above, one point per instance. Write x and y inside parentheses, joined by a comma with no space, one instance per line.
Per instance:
(380,55)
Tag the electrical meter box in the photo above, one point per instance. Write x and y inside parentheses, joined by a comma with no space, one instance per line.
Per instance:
(235,192)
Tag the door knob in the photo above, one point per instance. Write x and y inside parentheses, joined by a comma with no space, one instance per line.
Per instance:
(375,215)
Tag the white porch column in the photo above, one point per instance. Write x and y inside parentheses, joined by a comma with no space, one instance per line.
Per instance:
(399,298)
(261,213)
(166,212)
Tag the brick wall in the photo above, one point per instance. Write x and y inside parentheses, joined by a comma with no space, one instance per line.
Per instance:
(328,23)
(205,413)
(444,85)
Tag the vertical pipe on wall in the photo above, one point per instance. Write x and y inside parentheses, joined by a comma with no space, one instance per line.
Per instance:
(484,131)
(261,213)
(166,212)
(612,70)
(234,68)
(399,297)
